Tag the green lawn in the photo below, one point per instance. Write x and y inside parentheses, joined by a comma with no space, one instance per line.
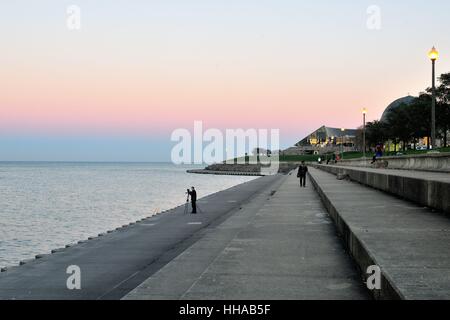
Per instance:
(351,155)
(416,151)
(348,155)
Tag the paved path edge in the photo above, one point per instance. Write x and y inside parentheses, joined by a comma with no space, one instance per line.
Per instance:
(357,249)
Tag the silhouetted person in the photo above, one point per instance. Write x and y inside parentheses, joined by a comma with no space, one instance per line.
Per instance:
(302,170)
(193,195)
(378,153)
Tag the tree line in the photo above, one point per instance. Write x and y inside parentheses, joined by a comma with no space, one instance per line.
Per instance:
(408,123)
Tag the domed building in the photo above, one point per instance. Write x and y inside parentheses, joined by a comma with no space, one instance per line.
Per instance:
(408,100)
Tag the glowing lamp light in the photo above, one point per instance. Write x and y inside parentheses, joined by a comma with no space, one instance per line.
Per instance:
(433,54)
(364,111)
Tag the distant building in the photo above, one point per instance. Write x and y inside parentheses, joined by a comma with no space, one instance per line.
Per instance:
(326,137)
(420,144)
(325,140)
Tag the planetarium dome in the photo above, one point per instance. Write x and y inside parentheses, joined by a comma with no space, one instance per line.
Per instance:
(408,100)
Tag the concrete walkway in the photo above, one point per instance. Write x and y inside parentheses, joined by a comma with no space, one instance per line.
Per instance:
(114,264)
(408,242)
(279,246)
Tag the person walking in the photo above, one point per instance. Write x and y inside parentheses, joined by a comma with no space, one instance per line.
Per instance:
(302,170)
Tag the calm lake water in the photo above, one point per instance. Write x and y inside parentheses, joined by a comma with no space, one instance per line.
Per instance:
(44,206)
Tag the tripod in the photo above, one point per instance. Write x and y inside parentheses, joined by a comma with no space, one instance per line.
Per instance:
(186,205)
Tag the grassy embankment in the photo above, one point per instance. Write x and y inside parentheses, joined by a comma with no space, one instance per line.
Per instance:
(347,155)
(353,155)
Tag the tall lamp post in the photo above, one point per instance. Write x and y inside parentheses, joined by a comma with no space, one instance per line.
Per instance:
(433,55)
(342,143)
(364,112)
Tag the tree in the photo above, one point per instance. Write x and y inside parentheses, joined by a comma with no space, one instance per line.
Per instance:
(419,117)
(359,139)
(375,133)
(411,122)
(443,106)
(400,128)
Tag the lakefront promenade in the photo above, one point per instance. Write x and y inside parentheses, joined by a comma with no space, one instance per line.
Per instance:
(282,245)
(267,239)
(319,243)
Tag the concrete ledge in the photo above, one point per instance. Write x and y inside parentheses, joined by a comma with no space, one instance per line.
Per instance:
(357,249)
(407,242)
(419,187)
(437,162)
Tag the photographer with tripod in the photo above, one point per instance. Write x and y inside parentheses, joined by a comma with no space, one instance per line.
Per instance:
(193,195)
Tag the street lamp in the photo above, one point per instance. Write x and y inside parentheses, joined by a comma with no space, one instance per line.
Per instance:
(433,55)
(342,143)
(364,112)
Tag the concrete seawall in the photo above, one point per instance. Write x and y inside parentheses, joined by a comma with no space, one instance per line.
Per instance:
(424,188)
(119,260)
(225,173)
(246,169)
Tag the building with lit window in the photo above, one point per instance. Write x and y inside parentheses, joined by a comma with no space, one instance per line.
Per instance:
(325,140)
(329,137)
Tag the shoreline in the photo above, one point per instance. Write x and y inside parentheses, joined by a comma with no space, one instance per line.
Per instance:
(103,197)
(74,245)
(225,173)
(4,268)
(124,251)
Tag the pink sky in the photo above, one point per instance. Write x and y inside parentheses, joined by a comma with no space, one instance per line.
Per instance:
(151,68)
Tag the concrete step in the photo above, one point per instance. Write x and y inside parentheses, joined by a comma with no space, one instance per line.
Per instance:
(409,243)
(429,189)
